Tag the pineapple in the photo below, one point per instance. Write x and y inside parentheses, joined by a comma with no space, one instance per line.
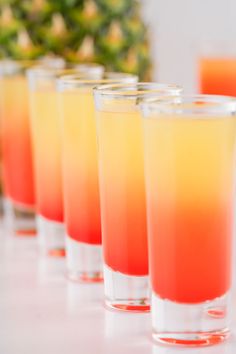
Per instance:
(106,31)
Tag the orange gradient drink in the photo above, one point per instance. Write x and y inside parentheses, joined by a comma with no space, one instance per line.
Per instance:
(45,127)
(46,132)
(122,193)
(218,76)
(80,173)
(1,117)
(18,181)
(17,157)
(190,170)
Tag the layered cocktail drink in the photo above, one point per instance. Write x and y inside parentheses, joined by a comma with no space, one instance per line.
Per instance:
(47,136)
(17,170)
(122,192)
(218,76)
(80,173)
(190,171)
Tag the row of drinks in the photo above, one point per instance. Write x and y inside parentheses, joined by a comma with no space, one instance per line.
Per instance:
(125,176)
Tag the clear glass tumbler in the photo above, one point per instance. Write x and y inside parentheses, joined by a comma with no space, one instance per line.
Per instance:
(46,141)
(217,68)
(17,171)
(80,175)
(190,178)
(122,194)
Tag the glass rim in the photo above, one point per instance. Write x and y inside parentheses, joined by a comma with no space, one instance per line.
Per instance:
(194,105)
(9,66)
(143,89)
(41,71)
(76,81)
(48,66)
(30,62)
(19,61)
(89,65)
(70,69)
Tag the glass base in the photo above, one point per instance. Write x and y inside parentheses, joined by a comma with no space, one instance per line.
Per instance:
(51,237)
(84,261)
(8,214)
(190,324)
(126,293)
(18,218)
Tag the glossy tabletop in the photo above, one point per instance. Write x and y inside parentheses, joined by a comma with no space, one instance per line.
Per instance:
(41,312)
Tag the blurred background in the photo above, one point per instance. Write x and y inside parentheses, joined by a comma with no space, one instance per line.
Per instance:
(181,31)
(161,40)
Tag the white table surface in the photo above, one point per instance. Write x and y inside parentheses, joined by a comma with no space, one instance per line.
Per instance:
(41,312)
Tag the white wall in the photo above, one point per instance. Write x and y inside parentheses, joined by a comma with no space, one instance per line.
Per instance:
(178,29)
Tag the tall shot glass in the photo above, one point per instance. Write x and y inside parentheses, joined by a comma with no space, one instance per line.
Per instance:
(122,194)
(16,144)
(190,172)
(17,171)
(46,141)
(80,175)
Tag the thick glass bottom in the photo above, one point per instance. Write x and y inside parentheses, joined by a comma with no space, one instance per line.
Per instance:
(126,293)
(84,261)
(19,219)
(8,213)
(190,324)
(51,237)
